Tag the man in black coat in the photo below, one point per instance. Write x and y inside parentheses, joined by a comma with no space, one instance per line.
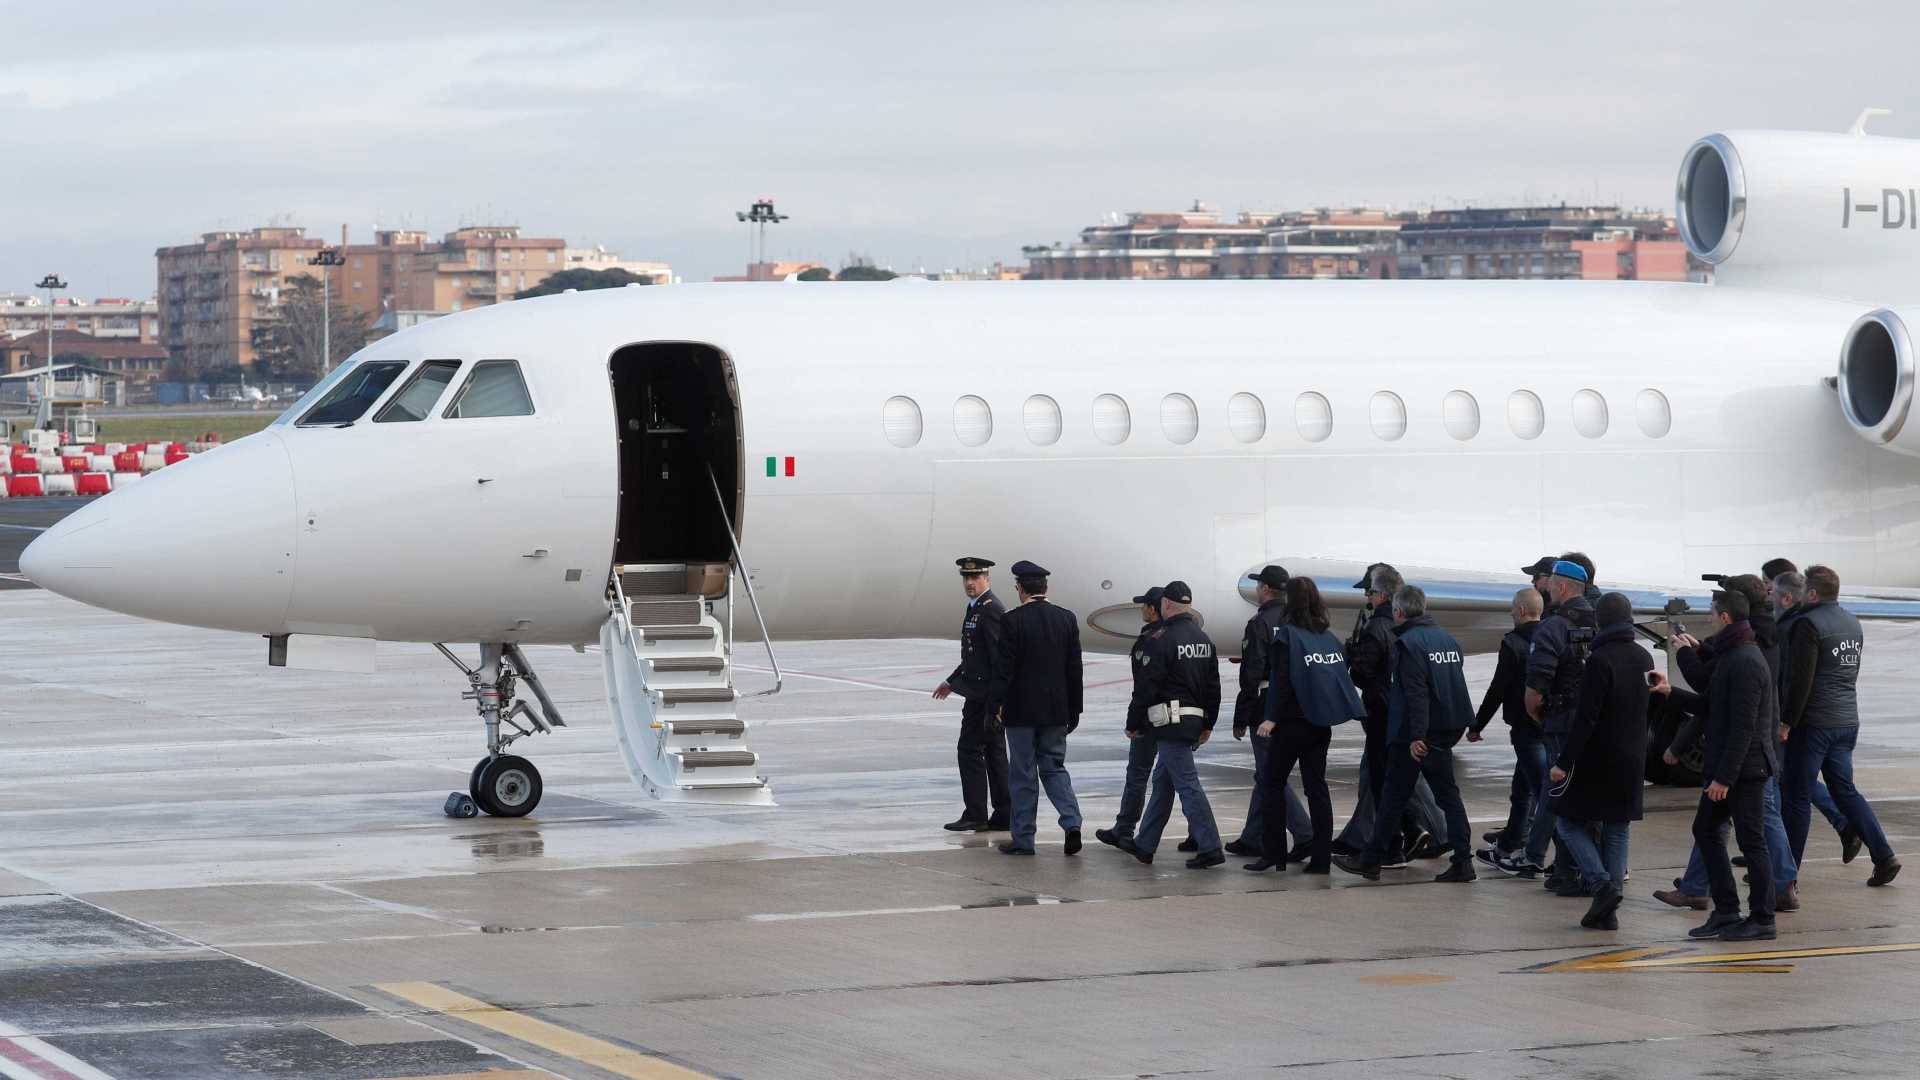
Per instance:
(1554,664)
(1037,692)
(1370,661)
(1250,710)
(982,748)
(1601,768)
(1140,752)
(1742,716)
(1507,695)
(1176,703)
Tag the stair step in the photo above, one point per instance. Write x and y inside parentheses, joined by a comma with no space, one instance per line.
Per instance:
(677,611)
(691,760)
(654,581)
(695,696)
(689,663)
(651,634)
(731,729)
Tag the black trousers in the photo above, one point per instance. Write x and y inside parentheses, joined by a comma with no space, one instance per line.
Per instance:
(1402,773)
(1746,805)
(1297,741)
(983,763)
(1376,752)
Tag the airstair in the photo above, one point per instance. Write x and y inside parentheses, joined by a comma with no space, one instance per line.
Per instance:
(670,685)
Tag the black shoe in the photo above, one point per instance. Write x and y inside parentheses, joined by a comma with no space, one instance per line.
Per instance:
(1517,865)
(1573,888)
(1300,852)
(1609,921)
(1395,861)
(1341,847)
(1850,844)
(1885,872)
(1245,851)
(1008,847)
(1261,867)
(1206,859)
(1738,860)
(1189,845)
(1316,868)
(1491,839)
(1353,864)
(1606,901)
(996,824)
(1417,843)
(1749,930)
(1461,870)
(1127,845)
(1427,848)
(1109,837)
(1073,841)
(965,824)
(1717,924)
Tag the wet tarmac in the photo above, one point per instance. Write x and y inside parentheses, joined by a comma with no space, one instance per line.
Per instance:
(215,869)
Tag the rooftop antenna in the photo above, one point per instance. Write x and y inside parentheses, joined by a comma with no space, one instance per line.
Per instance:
(1860,122)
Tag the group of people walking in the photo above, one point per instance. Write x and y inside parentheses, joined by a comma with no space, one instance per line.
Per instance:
(1771,712)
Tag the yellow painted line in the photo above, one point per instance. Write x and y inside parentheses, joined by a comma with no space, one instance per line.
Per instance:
(1735,958)
(603,1055)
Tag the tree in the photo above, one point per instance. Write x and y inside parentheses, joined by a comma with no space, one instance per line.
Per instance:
(816,273)
(863,272)
(583,280)
(288,344)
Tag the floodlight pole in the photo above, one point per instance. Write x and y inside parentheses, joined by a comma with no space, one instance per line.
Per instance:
(326,259)
(760,214)
(50,283)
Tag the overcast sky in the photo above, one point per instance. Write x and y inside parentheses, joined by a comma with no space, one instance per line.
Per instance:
(936,140)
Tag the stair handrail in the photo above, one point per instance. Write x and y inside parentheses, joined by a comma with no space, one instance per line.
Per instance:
(746,576)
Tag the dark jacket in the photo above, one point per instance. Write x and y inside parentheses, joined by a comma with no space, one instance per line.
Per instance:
(1138,654)
(1255,642)
(979,648)
(1428,694)
(1606,750)
(1037,680)
(1370,659)
(1817,680)
(1558,682)
(1178,665)
(1311,684)
(1696,666)
(1742,711)
(1507,693)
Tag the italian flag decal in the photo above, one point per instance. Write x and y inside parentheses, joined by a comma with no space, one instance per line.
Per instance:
(776,465)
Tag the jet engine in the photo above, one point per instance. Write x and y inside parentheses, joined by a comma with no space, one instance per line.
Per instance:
(1876,379)
(1835,214)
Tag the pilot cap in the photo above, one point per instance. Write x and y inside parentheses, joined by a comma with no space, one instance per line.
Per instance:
(1541,567)
(1151,596)
(973,564)
(1023,568)
(1274,577)
(1572,571)
(1366,579)
(1178,592)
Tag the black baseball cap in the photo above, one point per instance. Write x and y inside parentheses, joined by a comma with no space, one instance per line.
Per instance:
(1272,576)
(1178,592)
(1151,596)
(1366,579)
(1541,567)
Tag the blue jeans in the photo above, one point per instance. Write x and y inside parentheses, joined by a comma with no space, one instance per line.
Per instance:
(1254,831)
(1786,868)
(1541,759)
(1827,752)
(1530,767)
(1174,774)
(1605,862)
(1133,797)
(1036,757)
(1823,802)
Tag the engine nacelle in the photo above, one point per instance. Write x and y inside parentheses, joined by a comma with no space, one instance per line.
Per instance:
(1876,379)
(1808,211)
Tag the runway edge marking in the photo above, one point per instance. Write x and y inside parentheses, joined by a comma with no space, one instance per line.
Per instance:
(568,1043)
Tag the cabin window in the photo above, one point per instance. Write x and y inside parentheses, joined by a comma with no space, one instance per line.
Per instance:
(900,421)
(1590,414)
(1112,421)
(415,400)
(1388,415)
(1042,418)
(1525,415)
(1460,415)
(1313,416)
(1653,413)
(1246,418)
(354,394)
(494,389)
(1179,418)
(972,421)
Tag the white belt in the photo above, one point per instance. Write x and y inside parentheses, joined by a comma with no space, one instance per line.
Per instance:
(1171,712)
(1262,687)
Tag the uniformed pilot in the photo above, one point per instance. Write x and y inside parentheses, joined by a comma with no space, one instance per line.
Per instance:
(982,748)
(1140,752)
(1036,695)
(1176,704)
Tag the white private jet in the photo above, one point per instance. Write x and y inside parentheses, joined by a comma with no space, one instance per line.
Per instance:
(589,467)
(252,396)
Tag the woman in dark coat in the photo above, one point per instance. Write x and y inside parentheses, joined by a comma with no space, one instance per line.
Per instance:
(1597,781)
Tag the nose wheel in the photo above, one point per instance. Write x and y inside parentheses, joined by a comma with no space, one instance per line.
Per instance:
(505,786)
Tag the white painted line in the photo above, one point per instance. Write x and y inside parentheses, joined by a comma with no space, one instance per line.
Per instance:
(47,1053)
(13,1070)
(26,528)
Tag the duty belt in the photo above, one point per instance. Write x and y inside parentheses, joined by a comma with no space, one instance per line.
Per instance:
(1262,687)
(1171,712)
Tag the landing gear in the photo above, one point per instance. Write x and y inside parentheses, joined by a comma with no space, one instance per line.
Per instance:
(501,784)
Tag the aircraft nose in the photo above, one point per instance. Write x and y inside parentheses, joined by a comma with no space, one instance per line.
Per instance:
(206,542)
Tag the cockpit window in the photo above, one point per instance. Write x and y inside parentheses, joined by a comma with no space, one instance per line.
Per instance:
(353,395)
(415,399)
(494,389)
(319,390)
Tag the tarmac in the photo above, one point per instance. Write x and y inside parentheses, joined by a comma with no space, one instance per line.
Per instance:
(215,869)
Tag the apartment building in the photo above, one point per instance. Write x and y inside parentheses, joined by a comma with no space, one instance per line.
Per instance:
(214,293)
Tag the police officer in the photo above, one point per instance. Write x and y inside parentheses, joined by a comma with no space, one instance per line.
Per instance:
(1037,693)
(1140,752)
(1250,711)
(1554,664)
(1369,653)
(982,747)
(1177,705)
(1428,710)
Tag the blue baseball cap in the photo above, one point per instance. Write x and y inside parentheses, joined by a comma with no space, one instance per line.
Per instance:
(1572,570)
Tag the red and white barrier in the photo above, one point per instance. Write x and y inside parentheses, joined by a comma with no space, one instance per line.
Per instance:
(61,484)
(93,483)
(93,469)
(24,486)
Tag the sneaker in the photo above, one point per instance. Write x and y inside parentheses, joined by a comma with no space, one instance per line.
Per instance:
(1243,849)
(1353,864)
(1518,866)
(1738,860)
(1676,898)
(1127,845)
(1492,856)
(1850,844)
(1573,888)
(1460,871)
(1073,841)
(1606,901)
(1885,872)
(1788,898)
(1417,843)
(1428,848)
(1110,837)
(1749,930)
(1206,859)
(1189,845)
(1491,839)
(1716,925)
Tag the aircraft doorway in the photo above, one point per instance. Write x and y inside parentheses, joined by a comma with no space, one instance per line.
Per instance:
(679,414)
